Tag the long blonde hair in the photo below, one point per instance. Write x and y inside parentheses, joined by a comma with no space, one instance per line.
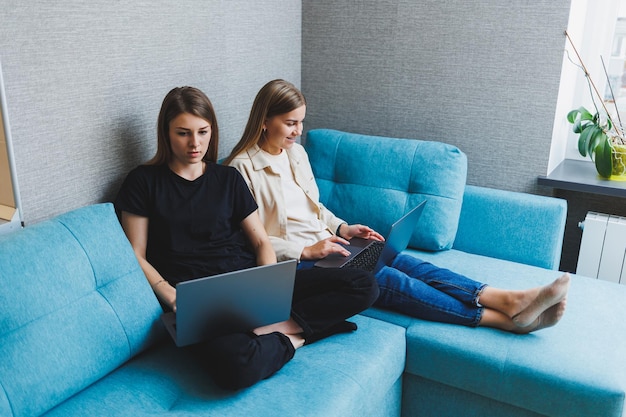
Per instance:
(274,98)
(178,101)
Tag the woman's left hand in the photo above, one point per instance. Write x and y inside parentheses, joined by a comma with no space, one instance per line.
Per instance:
(359,230)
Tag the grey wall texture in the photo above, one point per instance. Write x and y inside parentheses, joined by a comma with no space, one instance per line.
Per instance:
(481,75)
(85,79)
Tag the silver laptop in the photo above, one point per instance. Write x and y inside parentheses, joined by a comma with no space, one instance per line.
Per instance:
(372,255)
(233,302)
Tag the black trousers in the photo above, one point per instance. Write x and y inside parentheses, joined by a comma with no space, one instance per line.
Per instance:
(323,299)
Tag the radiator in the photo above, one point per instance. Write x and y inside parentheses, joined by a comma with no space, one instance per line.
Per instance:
(603,247)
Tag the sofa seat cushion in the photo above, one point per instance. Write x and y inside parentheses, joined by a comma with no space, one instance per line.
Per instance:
(576,368)
(375,180)
(355,374)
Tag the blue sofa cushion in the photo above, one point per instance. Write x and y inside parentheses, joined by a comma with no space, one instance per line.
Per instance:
(375,180)
(75,306)
(528,228)
(354,374)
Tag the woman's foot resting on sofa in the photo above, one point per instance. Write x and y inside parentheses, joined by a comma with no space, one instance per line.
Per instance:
(523,311)
(548,296)
(548,318)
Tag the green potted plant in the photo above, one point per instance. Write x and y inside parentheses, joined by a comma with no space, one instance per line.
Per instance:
(600,137)
(600,141)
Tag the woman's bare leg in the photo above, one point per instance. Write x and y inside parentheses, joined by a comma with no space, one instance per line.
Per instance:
(289,328)
(548,318)
(525,306)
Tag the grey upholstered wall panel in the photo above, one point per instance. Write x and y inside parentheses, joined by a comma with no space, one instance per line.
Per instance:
(482,75)
(85,80)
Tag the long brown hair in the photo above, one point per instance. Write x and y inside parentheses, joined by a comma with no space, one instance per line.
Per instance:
(184,100)
(274,98)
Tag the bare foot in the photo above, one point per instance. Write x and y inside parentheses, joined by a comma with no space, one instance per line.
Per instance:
(548,296)
(285,327)
(296,340)
(548,318)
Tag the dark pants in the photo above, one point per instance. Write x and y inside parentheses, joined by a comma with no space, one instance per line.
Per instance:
(323,299)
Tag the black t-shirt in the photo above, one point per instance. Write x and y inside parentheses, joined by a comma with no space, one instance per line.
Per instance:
(194,226)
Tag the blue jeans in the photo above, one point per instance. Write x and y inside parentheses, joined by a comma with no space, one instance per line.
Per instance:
(420,289)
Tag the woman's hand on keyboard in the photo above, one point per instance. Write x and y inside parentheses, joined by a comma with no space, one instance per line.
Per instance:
(325,247)
(359,230)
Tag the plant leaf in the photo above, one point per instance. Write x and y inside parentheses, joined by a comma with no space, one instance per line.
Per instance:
(596,136)
(579,126)
(604,158)
(585,114)
(579,114)
(572,116)
(585,139)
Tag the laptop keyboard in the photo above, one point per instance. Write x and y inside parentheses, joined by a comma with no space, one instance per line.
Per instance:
(368,258)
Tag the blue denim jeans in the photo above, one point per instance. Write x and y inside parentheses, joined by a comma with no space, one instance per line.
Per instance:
(420,289)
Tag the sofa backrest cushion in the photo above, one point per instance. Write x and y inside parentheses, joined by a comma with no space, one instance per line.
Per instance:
(75,306)
(374,180)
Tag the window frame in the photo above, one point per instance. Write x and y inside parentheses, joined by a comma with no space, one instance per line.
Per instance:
(17,220)
(587,28)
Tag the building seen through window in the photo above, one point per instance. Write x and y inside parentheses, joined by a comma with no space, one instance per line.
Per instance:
(616,71)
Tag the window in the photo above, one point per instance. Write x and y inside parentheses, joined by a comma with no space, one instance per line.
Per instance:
(10,211)
(598,32)
(616,90)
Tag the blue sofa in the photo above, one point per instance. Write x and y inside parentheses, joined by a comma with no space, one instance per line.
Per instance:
(80,332)
(80,335)
(506,239)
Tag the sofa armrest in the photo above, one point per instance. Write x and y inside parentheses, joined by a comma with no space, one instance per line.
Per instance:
(514,226)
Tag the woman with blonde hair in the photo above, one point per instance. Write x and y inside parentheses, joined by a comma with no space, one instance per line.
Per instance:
(279,175)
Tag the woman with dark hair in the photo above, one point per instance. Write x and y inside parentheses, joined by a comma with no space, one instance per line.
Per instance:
(187,217)
(280,177)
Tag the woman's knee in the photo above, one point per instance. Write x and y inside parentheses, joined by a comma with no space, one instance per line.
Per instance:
(240,360)
(366,285)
